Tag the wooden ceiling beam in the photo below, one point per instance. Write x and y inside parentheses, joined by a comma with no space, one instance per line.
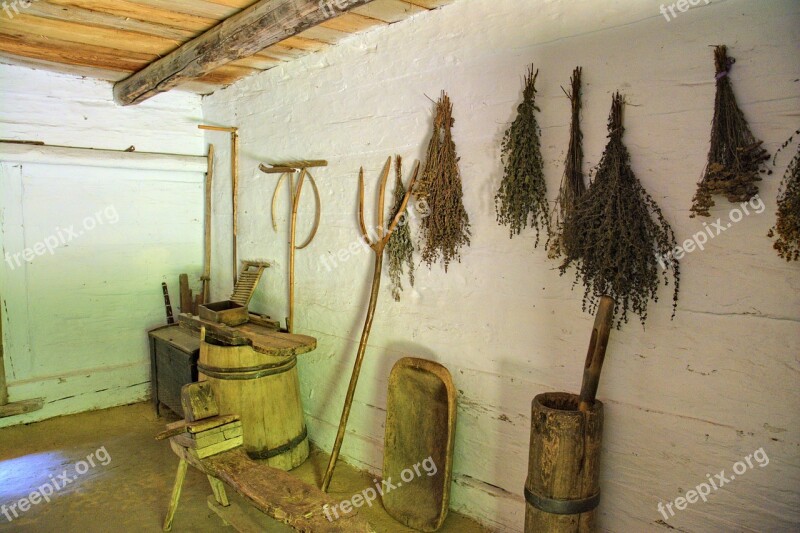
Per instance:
(263,24)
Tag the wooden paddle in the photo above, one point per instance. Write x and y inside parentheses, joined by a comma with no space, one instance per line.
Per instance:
(597,352)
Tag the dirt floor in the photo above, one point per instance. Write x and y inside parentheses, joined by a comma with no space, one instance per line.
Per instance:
(121,479)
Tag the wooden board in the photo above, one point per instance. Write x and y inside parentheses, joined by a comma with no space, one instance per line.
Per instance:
(176,428)
(204,439)
(198,402)
(234,515)
(420,435)
(263,339)
(280,495)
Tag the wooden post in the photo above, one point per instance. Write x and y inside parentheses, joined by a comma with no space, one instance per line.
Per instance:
(185,293)
(234,188)
(16,408)
(235,174)
(293,247)
(207,229)
(176,495)
(3,388)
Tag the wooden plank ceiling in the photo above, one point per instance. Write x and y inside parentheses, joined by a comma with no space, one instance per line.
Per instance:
(112,39)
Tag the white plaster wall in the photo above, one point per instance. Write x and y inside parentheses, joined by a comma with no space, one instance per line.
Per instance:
(684,397)
(75,321)
(64,110)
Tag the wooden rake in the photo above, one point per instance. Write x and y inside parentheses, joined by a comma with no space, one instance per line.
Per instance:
(295,189)
(377,246)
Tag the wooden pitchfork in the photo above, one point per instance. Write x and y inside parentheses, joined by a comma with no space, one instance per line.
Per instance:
(383,236)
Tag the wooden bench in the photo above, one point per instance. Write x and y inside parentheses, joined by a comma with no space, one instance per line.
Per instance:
(274,492)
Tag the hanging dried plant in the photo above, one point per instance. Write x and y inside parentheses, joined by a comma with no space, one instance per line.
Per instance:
(572,184)
(400,249)
(446,228)
(736,157)
(522,198)
(617,235)
(787,226)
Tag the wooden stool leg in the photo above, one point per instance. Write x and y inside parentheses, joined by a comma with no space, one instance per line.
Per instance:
(219,491)
(176,495)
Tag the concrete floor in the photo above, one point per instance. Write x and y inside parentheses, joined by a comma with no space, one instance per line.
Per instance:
(128,488)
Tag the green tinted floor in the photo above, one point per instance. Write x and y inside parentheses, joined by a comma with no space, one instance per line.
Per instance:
(121,479)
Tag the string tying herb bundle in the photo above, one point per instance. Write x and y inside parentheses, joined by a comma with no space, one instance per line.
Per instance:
(572,184)
(446,228)
(736,157)
(522,198)
(617,236)
(400,248)
(787,225)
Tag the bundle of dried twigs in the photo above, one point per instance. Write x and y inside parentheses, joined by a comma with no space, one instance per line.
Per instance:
(572,184)
(787,225)
(617,236)
(446,228)
(522,198)
(400,249)
(736,157)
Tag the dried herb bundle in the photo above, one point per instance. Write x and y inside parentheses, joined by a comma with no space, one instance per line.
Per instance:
(400,248)
(523,191)
(787,226)
(572,184)
(736,157)
(617,235)
(446,229)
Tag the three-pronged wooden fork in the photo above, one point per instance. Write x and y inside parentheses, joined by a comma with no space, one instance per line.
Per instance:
(377,246)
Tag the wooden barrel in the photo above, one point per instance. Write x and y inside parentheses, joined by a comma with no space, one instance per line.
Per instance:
(265,391)
(563,486)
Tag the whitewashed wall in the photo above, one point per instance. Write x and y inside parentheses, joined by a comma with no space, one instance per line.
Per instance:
(683,398)
(75,320)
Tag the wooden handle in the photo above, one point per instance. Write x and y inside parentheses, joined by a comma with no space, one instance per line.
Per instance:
(597,352)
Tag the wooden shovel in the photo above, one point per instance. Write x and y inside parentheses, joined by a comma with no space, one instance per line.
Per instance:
(597,352)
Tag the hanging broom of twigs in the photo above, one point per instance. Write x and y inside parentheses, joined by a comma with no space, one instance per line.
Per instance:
(572,184)
(736,157)
(787,225)
(617,235)
(446,229)
(400,249)
(522,198)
